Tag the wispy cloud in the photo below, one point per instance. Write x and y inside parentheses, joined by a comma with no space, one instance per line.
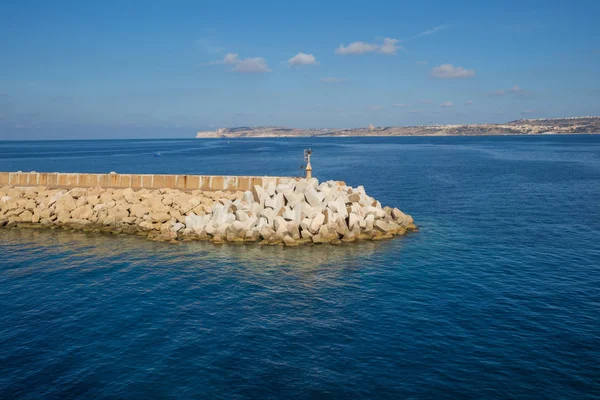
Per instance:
(388,47)
(374,107)
(528,112)
(230,58)
(416,111)
(427,32)
(468,102)
(246,65)
(426,101)
(63,98)
(422,62)
(320,108)
(447,104)
(515,90)
(399,105)
(332,79)
(302,59)
(208,46)
(498,92)
(448,71)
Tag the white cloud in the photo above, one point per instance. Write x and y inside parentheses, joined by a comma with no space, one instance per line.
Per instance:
(423,62)
(527,112)
(374,108)
(414,111)
(302,59)
(448,71)
(468,102)
(231,58)
(355,48)
(447,104)
(252,65)
(332,79)
(388,47)
(399,105)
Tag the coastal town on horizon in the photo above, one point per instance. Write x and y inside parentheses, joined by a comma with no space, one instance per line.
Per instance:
(538,126)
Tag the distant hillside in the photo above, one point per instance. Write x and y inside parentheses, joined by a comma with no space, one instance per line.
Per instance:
(572,125)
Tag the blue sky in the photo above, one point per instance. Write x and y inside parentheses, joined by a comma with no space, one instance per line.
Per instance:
(134,68)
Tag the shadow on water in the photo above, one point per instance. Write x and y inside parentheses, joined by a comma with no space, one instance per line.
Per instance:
(95,250)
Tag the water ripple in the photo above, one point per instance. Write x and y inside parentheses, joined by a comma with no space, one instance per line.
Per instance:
(497,296)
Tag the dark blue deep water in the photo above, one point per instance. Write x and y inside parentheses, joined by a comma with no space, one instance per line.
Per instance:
(497,296)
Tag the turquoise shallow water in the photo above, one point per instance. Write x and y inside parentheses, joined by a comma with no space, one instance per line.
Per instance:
(497,295)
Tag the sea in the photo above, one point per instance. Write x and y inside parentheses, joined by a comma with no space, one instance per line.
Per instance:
(496,296)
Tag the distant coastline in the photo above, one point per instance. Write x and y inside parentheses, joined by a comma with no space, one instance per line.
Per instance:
(555,126)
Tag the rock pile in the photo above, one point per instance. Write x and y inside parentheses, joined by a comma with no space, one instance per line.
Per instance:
(291,213)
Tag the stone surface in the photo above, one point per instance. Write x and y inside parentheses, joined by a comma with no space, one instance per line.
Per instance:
(312,197)
(289,241)
(316,223)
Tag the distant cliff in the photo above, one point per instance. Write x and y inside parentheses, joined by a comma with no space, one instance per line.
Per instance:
(519,127)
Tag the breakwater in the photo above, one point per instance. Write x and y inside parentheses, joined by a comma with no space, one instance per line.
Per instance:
(279,210)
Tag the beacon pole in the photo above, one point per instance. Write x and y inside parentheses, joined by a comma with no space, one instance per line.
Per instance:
(307,153)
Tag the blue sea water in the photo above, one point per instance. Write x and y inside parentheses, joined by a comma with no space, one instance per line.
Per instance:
(497,295)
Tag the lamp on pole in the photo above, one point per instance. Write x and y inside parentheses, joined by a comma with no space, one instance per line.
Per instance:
(307,153)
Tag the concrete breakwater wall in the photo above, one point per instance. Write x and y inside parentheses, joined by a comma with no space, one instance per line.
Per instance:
(138,181)
(292,211)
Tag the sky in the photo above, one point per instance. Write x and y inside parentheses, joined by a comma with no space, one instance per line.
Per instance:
(134,69)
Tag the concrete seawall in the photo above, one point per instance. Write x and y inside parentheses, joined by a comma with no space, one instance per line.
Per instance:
(139,181)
